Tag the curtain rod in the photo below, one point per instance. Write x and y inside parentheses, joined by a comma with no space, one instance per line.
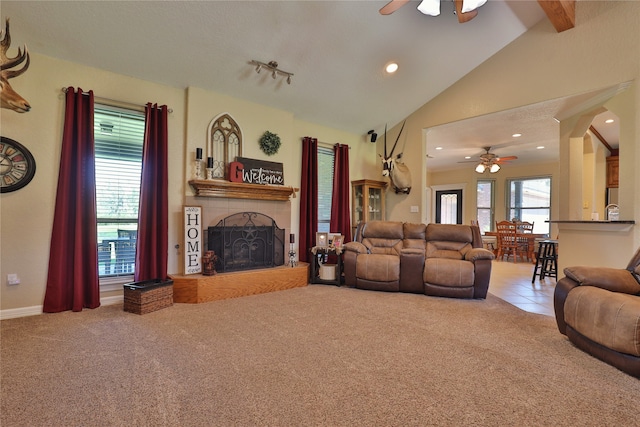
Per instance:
(329,145)
(121,104)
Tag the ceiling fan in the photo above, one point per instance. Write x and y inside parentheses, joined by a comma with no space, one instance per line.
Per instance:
(489,161)
(465,9)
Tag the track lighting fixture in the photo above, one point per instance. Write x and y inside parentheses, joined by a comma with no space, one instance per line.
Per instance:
(273,67)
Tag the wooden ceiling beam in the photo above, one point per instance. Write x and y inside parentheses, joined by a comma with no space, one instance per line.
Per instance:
(561,13)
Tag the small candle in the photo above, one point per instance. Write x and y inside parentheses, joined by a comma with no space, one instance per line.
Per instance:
(198,153)
(292,238)
(209,162)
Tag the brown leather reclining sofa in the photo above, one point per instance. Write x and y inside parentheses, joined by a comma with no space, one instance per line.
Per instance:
(598,309)
(436,259)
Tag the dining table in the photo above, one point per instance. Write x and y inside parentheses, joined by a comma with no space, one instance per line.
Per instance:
(529,237)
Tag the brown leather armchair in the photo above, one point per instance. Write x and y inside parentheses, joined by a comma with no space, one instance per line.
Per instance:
(598,309)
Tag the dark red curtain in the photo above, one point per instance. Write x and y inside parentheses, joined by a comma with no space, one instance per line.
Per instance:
(72,280)
(153,217)
(340,212)
(308,197)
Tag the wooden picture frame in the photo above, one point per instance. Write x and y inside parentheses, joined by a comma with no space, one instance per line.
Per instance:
(338,241)
(192,239)
(322,240)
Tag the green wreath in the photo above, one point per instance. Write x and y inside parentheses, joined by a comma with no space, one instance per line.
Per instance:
(269,143)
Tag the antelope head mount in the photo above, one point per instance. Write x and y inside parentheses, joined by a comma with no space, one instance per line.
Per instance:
(397,171)
(9,98)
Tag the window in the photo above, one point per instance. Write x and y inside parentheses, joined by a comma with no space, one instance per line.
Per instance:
(119,136)
(484,205)
(529,199)
(325,188)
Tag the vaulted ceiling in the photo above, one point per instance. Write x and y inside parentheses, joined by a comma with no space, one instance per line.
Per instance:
(337,50)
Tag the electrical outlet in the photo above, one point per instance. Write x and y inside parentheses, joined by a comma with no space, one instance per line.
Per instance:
(13,279)
(414,209)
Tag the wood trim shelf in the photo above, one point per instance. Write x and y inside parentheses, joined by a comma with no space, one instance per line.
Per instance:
(239,190)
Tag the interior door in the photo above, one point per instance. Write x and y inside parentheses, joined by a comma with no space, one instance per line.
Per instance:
(449,206)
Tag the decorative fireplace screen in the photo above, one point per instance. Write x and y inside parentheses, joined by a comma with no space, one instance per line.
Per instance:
(245,241)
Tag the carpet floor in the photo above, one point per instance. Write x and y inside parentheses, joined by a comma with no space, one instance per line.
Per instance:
(312,356)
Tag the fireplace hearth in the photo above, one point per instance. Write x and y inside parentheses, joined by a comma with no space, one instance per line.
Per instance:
(246,241)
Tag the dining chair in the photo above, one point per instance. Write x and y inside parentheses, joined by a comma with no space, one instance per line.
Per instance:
(524,227)
(507,241)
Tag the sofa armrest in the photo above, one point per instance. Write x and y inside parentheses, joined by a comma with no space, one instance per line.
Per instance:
(563,287)
(611,279)
(477,254)
(356,247)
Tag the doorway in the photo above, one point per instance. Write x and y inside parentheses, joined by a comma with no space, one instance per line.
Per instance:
(449,206)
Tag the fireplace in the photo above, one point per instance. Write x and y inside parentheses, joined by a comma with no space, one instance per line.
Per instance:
(246,241)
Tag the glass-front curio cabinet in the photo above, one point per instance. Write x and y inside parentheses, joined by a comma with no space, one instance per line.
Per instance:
(368,201)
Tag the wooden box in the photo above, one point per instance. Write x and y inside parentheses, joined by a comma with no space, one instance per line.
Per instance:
(147,296)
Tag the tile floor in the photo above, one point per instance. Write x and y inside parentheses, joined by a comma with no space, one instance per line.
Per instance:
(512,283)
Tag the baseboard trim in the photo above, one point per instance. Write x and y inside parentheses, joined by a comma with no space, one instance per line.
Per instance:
(13,313)
(36,310)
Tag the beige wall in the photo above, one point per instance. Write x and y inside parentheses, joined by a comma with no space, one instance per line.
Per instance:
(538,66)
(27,214)
(470,177)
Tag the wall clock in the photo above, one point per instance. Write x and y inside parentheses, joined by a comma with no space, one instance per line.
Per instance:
(17,165)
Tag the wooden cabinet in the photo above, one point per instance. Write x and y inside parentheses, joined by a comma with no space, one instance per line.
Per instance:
(612,172)
(368,201)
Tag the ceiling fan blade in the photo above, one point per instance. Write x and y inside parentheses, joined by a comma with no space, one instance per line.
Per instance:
(505,159)
(463,17)
(394,5)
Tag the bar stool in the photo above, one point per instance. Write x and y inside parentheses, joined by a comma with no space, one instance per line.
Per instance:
(546,260)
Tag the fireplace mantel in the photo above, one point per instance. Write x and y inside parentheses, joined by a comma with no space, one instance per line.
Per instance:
(238,190)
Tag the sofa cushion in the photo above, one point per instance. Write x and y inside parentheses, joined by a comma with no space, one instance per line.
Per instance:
(414,236)
(449,233)
(383,230)
(383,246)
(378,267)
(383,237)
(450,250)
(609,318)
(448,272)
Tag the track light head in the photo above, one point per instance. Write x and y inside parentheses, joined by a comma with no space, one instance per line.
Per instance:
(271,66)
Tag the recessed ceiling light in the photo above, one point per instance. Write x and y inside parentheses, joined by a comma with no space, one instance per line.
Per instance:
(392,67)
(438,148)
(609,121)
(539,147)
(516,135)
(467,157)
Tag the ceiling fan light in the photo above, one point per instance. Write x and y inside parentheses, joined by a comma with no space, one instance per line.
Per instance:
(469,5)
(494,168)
(480,168)
(430,7)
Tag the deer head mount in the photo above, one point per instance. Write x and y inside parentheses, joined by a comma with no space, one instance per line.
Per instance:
(394,168)
(9,98)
